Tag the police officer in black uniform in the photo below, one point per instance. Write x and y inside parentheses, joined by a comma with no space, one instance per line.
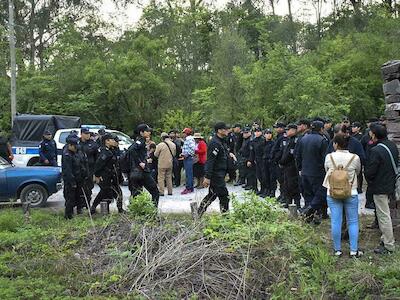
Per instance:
(280,142)
(269,170)
(216,167)
(249,169)
(48,150)
(230,143)
(89,150)
(72,176)
(140,175)
(290,172)
(256,158)
(106,174)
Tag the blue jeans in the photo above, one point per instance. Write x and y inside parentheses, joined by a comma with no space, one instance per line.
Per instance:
(351,209)
(188,166)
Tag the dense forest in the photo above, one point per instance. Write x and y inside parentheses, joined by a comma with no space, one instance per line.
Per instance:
(188,63)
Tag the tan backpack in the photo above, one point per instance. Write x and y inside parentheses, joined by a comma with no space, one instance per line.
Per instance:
(339,185)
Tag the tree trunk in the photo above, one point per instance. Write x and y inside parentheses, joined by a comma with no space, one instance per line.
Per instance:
(32,35)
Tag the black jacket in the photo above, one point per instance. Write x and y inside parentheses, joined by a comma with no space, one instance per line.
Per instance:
(288,157)
(71,170)
(379,170)
(280,144)
(107,166)
(138,154)
(257,149)
(217,158)
(311,154)
(91,149)
(245,149)
(269,145)
(48,150)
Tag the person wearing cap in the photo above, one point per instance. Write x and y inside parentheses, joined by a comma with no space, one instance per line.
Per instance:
(72,177)
(200,161)
(310,162)
(248,170)
(290,172)
(356,131)
(328,127)
(256,158)
(216,168)
(238,135)
(140,175)
(188,153)
(230,143)
(48,150)
(269,170)
(277,150)
(5,148)
(166,154)
(178,165)
(107,175)
(90,150)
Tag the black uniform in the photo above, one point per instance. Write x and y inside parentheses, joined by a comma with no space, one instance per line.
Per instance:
(290,172)
(88,152)
(48,151)
(277,151)
(256,158)
(230,143)
(249,173)
(73,182)
(177,168)
(269,170)
(216,167)
(139,177)
(107,168)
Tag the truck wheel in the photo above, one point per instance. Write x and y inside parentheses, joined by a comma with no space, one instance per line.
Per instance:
(35,194)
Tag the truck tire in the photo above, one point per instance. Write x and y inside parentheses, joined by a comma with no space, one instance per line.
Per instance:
(35,194)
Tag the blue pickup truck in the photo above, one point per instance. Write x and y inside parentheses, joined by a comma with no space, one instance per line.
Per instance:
(33,184)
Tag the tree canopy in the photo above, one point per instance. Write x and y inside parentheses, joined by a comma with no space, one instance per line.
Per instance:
(189,63)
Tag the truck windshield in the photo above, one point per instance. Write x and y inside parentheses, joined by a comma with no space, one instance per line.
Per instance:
(4,164)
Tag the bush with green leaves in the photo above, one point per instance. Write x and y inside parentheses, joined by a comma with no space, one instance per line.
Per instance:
(142,207)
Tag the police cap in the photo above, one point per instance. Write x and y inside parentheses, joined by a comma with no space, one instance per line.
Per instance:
(220,125)
(279,125)
(268,130)
(143,127)
(109,136)
(304,122)
(258,129)
(72,140)
(85,130)
(237,125)
(356,125)
(317,125)
(47,132)
(246,129)
(291,126)
(102,131)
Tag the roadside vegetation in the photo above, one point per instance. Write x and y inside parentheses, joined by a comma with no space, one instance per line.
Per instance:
(253,252)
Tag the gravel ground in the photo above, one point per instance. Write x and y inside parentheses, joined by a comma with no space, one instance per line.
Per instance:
(178,203)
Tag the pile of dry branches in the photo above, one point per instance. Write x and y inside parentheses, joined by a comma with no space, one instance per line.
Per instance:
(154,260)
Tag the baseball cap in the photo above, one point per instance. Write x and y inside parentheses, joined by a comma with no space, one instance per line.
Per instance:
(220,125)
(109,136)
(164,134)
(356,124)
(237,125)
(102,131)
(143,127)
(258,129)
(246,129)
(279,125)
(47,132)
(268,130)
(317,125)
(187,131)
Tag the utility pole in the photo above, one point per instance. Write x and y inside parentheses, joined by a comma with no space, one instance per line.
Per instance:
(13,61)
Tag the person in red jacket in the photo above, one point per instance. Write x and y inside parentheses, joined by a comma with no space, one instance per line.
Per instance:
(200,159)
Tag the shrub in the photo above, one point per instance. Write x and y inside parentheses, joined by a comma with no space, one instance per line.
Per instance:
(142,207)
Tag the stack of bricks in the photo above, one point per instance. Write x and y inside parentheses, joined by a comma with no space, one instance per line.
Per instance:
(391,89)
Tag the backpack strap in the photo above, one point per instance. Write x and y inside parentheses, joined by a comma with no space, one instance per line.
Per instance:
(396,172)
(170,151)
(333,161)
(350,161)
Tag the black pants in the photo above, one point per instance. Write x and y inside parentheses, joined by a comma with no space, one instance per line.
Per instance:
(217,190)
(88,186)
(177,170)
(314,192)
(242,170)
(280,178)
(231,170)
(108,191)
(259,173)
(149,184)
(269,176)
(251,177)
(291,183)
(73,197)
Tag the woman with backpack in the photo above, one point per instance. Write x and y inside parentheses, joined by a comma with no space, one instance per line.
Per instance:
(342,168)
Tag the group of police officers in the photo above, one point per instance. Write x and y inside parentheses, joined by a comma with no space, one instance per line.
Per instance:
(294,158)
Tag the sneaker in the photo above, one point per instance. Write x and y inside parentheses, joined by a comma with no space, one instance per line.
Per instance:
(186,191)
(338,253)
(382,250)
(161,195)
(356,254)
(169,194)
